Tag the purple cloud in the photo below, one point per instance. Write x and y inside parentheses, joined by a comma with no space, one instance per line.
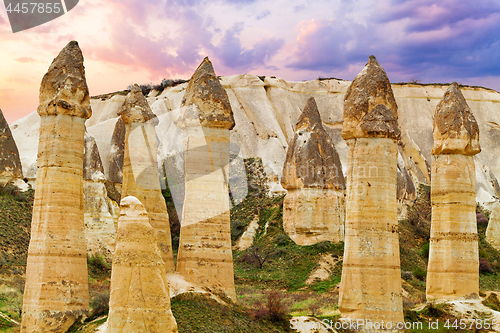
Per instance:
(233,55)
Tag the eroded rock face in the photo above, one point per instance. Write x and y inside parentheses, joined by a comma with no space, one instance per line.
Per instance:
(140,168)
(10,164)
(100,212)
(205,91)
(371,278)
(56,292)
(453,269)
(313,209)
(493,230)
(117,153)
(205,256)
(139,299)
(455,129)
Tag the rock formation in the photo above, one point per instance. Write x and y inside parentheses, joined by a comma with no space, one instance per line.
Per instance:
(371,277)
(205,256)
(139,299)
(313,209)
(140,168)
(117,153)
(493,230)
(453,269)
(56,291)
(10,164)
(100,212)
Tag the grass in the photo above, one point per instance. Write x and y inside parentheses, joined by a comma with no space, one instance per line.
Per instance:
(197,313)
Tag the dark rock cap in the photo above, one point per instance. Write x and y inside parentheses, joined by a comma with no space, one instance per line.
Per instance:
(136,108)
(455,129)
(207,94)
(64,89)
(370,109)
(10,163)
(312,160)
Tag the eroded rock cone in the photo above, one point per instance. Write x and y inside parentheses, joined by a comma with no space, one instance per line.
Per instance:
(371,277)
(139,299)
(140,168)
(205,256)
(453,269)
(56,292)
(10,164)
(314,208)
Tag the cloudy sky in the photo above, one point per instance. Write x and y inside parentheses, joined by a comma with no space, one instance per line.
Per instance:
(127,41)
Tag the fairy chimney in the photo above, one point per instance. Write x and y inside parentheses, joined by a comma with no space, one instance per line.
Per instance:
(453,268)
(205,255)
(56,292)
(314,207)
(140,168)
(371,277)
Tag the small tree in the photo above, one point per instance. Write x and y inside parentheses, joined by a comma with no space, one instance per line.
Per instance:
(261,255)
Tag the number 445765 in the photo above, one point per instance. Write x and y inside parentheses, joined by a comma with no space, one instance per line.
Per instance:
(41,8)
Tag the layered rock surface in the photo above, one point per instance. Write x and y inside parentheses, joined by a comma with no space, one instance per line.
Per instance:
(453,268)
(10,164)
(205,256)
(371,278)
(139,298)
(140,168)
(56,292)
(313,209)
(100,212)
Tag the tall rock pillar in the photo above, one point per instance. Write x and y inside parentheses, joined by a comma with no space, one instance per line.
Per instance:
(371,277)
(314,207)
(56,291)
(453,269)
(139,299)
(140,168)
(205,256)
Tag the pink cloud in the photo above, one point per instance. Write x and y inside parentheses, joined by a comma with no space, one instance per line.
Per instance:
(25,60)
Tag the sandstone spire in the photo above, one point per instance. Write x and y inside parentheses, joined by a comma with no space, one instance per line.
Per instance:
(56,292)
(10,164)
(139,299)
(313,209)
(140,168)
(205,256)
(117,152)
(371,277)
(453,269)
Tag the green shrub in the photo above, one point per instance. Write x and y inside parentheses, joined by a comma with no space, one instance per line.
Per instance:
(420,273)
(98,267)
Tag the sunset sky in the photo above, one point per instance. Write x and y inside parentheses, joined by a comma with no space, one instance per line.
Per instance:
(132,41)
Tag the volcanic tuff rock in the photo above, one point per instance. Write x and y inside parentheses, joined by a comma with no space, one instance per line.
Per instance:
(493,230)
(140,168)
(10,164)
(56,292)
(100,212)
(453,268)
(313,209)
(139,298)
(455,129)
(372,111)
(205,255)
(117,153)
(371,278)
